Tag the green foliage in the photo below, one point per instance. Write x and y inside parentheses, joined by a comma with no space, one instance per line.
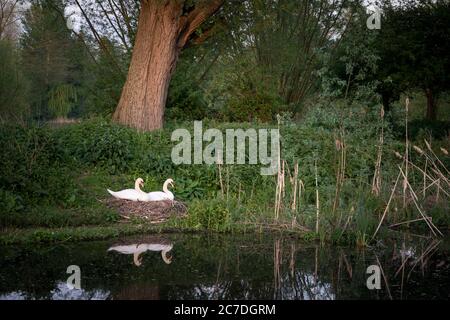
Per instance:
(31,170)
(100,144)
(10,202)
(425,129)
(413,45)
(212,214)
(13,88)
(52,59)
(102,83)
(186,100)
(349,71)
(54,176)
(62,99)
(251,107)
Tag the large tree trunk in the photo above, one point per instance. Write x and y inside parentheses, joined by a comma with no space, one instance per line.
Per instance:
(431,105)
(163,30)
(154,57)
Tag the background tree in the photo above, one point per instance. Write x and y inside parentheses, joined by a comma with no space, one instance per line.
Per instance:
(155,54)
(9,18)
(49,53)
(413,45)
(288,37)
(13,87)
(348,72)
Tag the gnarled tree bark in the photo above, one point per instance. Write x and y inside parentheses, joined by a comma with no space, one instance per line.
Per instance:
(164,29)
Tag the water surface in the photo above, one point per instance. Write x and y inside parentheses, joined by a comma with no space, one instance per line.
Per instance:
(176,266)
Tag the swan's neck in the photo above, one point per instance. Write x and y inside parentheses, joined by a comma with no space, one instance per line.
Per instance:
(166,259)
(165,189)
(137,187)
(136,259)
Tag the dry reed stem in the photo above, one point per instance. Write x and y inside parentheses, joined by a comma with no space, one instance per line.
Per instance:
(409,221)
(433,179)
(278,189)
(228,182)
(340,174)
(376,182)
(220,179)
(294,183)
(415,199)
(425,177)
(437,158)
(405,180)
(387,206)
(384,277)
(428,251)
(402,267)
(317,199)
(352,210)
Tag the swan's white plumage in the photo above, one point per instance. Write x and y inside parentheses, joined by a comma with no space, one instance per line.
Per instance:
(135,194)
(134,248)
(161,195)
(137,249)
(128,194)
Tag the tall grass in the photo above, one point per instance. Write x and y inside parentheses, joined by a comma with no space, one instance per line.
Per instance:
(337,179)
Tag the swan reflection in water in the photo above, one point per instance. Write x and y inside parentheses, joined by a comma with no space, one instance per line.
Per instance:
(136,249)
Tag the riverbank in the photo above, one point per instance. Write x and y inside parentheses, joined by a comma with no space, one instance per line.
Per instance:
(91,233)
(346,185)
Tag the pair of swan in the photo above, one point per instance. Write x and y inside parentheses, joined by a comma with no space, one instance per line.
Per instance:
(137,194)
(137,249)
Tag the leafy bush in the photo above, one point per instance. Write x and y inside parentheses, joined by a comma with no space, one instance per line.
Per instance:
(62,99)
(31,170)
(184,103)
(101,144)
(420,128)
(211,214)
(251,107)
(10,202)
(13,88)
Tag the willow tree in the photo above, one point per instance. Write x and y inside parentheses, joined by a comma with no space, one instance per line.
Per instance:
(164,28)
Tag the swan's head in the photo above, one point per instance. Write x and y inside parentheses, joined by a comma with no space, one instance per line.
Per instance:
(140,182)
(170,182)
(166,256)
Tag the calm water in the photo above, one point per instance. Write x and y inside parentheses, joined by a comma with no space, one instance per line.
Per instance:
(225,267)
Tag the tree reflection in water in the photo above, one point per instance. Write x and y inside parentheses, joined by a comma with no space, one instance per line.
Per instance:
(227,267)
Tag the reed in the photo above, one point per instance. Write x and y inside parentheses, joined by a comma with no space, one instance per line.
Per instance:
(340,172)
(376,182)
(405,180)
(317,198)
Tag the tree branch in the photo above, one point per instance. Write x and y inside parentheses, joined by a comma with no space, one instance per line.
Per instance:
(189,23)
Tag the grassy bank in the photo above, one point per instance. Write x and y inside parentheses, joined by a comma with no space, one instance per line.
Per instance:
(346,175)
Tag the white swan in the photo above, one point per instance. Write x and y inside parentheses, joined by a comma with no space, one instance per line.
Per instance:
(135,194)
(137,249)
(160,196)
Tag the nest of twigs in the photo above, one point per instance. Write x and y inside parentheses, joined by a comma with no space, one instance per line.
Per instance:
(153,211)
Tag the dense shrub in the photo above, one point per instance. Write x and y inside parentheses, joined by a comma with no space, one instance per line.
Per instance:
(251,107)
(211,215)
(426,128)
(101,144)
(32,170)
